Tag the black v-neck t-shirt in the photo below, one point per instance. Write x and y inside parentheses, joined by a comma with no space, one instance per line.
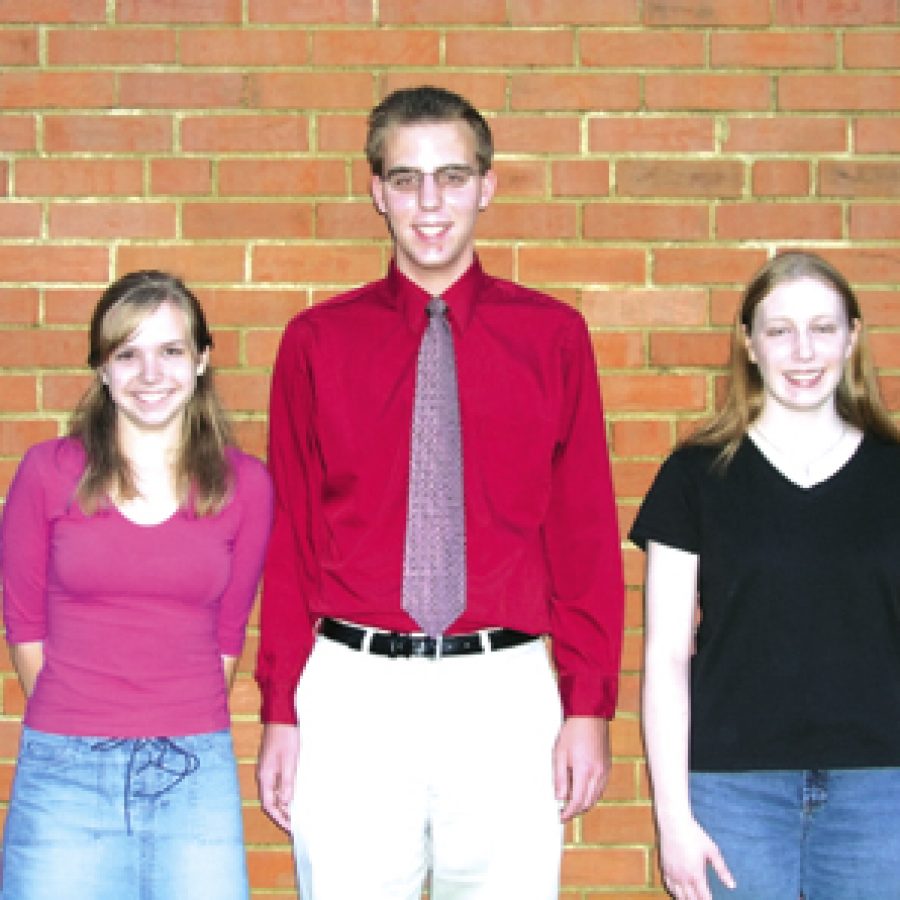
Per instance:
(797,662)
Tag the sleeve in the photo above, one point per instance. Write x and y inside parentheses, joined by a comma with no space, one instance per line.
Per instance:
(582,544)
(254,494)
(668,514)
(291,568)
(24,552)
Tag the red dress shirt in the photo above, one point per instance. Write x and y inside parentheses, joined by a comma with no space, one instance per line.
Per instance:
(542,542)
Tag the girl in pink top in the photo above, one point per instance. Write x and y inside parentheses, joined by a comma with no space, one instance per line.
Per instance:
(131,551)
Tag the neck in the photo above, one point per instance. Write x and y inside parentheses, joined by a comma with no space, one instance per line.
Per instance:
(812,428)
(435,281)
(149,450)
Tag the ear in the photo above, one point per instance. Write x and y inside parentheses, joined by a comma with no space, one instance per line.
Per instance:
(104,378)
(376,189)
(202,362)
(855,330)
(749,345)
(488,187)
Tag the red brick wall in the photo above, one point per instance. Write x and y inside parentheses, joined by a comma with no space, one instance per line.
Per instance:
(652,154)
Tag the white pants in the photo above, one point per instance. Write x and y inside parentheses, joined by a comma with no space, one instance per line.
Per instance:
(411,765)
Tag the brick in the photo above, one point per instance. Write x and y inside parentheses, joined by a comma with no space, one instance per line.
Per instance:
(24,348)
(469,12)
(528,221)
(49,90)
(335,12)
(654,393)
(632,478)
(243,391)
(258,827)
(310,90)
(337,132)
(252,437)
(517,48)
(668,348)
(107,133)
(873,222)
(859,179)
(679,178)
(79,177)
(45,262)
(19,220)
(261,346)
(657,134)
(112,220)
(16,435)
(109,47)
(271,868)
(580,177)
(19,393)
(644,49)
(839,92)
(780,178)
(19,306)
(188,177)
(580,265)
(17,132)
(880,307)
(18,47)
(348,220)
(747,221)
(251,306)
(574,91)
(864,265)
(603,867)
(54,11)
(642,308)
(13,705)
(242,47)
(641,437)
(618,824)
(772,50)
(178,90)
(721,265)
(227,352)
(521,177)
(875,134)
(320,262)
(536,134)
(835,12)
(706,13)
(645,221)
(486,90)
(179,11)
(371,48)
(871,50)
(783,134)
(229,134)
(885,348)
(69,306)
(247,220)
(573,12)
(281,178)
(618,351)
(62,392)
(193,262)
(723,304)
(707,91)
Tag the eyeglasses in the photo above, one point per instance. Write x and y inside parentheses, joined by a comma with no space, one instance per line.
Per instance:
(409,181)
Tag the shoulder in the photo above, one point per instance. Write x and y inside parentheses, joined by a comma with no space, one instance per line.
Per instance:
(250,474)
(500,290)
(55,457)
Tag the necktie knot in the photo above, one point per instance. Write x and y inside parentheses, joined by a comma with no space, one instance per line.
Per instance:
(436,307)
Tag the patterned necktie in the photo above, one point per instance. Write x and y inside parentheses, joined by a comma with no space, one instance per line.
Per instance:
(434,561)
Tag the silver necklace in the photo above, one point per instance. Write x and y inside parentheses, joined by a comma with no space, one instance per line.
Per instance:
(805,465)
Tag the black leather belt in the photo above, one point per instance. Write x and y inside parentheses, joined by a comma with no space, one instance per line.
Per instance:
(397,643)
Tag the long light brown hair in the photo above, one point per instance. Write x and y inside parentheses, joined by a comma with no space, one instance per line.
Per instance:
(857,400)
(201,470)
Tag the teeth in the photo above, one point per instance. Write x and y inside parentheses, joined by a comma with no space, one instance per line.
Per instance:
(432,230)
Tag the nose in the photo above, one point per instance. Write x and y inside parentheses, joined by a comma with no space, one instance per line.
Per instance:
(151,368)
(430,194)
(803,345)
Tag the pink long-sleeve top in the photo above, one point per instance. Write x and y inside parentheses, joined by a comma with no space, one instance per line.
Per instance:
(134,619)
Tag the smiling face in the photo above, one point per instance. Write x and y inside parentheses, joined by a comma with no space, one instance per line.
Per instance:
(433,227)
(152,374)
(800,341)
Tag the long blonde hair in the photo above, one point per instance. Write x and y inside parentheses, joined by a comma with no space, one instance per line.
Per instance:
(201,471)
(857,400)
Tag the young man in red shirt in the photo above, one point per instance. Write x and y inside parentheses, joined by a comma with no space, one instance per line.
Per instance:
(402,744)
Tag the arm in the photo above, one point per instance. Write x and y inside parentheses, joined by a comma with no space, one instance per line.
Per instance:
(584,558)
(229,668)
(27,660)
(685,849)
(276,769)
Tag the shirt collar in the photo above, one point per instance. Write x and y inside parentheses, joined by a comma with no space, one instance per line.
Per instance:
(460,297)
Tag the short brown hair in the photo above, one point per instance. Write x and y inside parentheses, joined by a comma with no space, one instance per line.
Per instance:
(426,103)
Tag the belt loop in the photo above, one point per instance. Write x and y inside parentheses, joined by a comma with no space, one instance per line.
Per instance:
(438,646)
(368,634)
(484,635)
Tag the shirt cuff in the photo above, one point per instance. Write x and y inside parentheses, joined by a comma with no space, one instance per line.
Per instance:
(278,704)
(584,695)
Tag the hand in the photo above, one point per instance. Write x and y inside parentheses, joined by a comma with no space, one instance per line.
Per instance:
(276,770)
(581,763)
(685,850)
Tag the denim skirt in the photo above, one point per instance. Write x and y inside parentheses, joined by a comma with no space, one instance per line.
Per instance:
(95,818)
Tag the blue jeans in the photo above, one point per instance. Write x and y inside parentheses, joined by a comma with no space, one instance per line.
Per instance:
(830,834)
(94,818)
